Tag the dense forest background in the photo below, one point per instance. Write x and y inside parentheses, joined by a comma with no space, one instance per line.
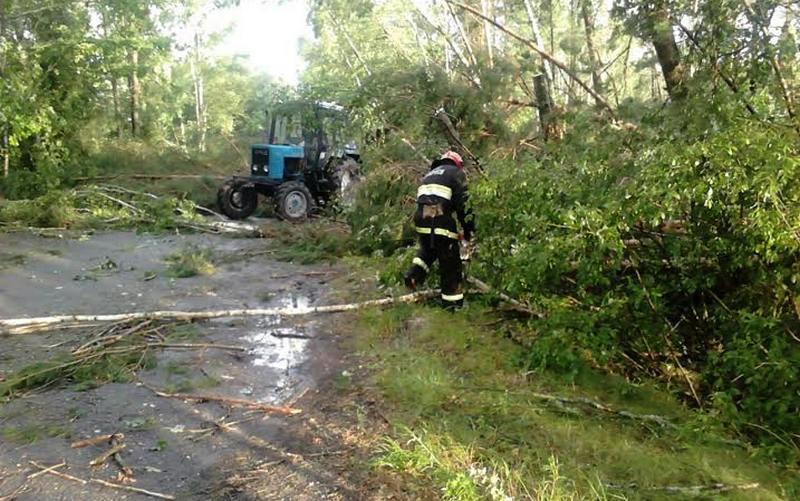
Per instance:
(634,164)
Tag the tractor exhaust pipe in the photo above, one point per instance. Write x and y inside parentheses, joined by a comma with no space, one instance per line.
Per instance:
(271,125)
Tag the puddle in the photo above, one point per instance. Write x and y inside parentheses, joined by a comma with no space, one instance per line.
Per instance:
(280,348)
(294,302)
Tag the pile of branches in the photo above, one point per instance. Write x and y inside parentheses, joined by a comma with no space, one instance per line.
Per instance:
(106,206)
(114,352)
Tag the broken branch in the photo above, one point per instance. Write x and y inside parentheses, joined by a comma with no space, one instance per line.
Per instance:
(237,402)
(563,67)
(51,471)
(452,134)
(96,440)
(515,305)
(195,346)
(102,458)
(131,489)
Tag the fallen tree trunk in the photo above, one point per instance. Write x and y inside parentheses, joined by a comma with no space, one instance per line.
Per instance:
(35,324)
(450,131)
(147,177)
(518,306)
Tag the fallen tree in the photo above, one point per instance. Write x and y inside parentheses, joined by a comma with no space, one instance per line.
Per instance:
(35,324)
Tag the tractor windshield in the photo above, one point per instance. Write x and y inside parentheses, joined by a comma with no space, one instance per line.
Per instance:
(320,128)
(289,130)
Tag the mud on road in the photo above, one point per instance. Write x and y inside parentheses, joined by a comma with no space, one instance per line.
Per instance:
(183,449)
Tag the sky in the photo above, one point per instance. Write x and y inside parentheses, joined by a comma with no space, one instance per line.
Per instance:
(268,31)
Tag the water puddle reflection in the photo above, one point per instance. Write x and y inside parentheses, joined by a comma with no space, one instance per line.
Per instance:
(294,302)
(280,348)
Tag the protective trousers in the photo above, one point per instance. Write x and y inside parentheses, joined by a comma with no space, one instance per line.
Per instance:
(434,247)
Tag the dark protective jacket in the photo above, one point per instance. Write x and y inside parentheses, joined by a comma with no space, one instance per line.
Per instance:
(443,192)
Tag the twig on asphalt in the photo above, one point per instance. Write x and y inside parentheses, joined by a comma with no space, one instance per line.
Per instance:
(58,473)
(46,470)
(96,440)
(102,458)
(49,470)
(236,402)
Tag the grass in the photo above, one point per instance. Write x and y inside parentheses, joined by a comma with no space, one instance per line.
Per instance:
(179,380)
(80,374)
(30,434)
(189,263)
(187,385)
(471,426)
(182,333)
(311,242)
(121,158)
(11,260)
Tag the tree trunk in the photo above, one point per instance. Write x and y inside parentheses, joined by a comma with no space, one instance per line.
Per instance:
(454,50)
(537,39)
(462,32)
(6,153)
(115,98)
(551,128)
(669,56)
(487,32)
(4,147)
(199,95)
(772,57)
(417,37)
(134,90)
(588,25)
(560,65)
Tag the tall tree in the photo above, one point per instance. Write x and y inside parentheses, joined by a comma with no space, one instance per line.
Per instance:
(134,90)
(594,62)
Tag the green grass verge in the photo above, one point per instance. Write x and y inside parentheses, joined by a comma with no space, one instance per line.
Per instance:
(30,434)
(472,422)
(189,263)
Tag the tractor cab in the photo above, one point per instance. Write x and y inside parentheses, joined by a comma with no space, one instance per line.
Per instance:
(301,165)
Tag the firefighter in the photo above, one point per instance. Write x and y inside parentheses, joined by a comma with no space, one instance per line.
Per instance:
(443,192)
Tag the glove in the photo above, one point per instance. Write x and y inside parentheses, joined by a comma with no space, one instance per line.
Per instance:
(469,229)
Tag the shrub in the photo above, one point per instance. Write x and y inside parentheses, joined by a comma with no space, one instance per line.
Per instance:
(381,216)
(673,254)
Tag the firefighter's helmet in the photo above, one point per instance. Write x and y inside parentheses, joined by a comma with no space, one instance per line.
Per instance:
(455,157)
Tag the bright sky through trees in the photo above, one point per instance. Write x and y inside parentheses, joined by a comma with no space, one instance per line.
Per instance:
(268,32)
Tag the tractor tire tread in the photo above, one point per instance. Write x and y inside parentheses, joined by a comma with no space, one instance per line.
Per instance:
(225,203)
(280,196)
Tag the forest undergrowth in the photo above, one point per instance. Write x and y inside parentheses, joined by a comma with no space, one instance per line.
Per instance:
(472,422)
(654,254)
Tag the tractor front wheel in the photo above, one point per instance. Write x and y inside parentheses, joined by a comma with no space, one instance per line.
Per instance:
(293,202)
(236,200)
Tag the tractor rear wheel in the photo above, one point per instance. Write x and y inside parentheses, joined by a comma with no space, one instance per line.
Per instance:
(236,200)
(293,201)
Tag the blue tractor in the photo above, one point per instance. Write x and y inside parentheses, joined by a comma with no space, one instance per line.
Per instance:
(306,163)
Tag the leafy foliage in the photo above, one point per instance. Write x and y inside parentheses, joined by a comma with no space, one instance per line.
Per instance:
(662,244)
(675,258)
(381,217)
